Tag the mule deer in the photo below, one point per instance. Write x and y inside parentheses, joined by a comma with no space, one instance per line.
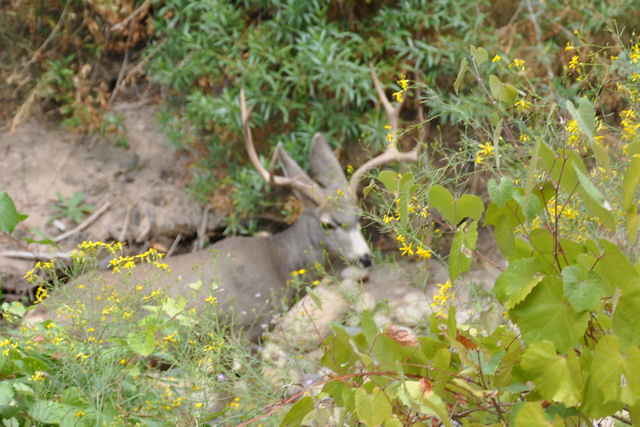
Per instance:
(251,273)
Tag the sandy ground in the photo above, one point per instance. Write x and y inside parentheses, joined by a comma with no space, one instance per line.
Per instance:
(141,189)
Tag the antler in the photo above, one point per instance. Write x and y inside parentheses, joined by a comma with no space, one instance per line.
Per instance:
(391,153)
(296,183)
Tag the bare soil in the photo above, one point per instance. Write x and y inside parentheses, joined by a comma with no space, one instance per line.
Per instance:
(142,189)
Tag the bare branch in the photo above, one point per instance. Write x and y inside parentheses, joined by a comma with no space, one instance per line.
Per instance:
(391,154)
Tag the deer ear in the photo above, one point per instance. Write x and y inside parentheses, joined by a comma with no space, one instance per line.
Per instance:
(325,168)
(292,170)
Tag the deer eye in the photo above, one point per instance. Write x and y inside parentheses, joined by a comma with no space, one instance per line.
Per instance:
(329,225)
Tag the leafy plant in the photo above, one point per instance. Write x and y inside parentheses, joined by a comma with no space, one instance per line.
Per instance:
(568,349)
(71,208)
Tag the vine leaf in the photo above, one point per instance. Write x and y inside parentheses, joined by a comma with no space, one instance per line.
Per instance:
(557,378)
(546,315)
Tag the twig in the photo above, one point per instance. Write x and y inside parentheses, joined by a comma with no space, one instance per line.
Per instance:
(125,226)
(202,230)
(174,245)
(36,256)
(140,10)
(44,45)
(84,224)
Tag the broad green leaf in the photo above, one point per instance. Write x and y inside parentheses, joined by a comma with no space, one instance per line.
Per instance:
(630,184)
(372,409)
(469,206)
(9,216)
(607,368)
(626,318)
(501,193)
(142,343)
(462,247)
(428,403)
(6,392)
(584,290)
(530,206)
(557,378)
(633,224)
(594,201)
(601,155)
(546,315)
(47,411)
(366,190)
(481,55)
(504,92)
(632,374)
(584,116)
(531,414)
(389,179)
(368,326)
(503,233)
(495,86)
(442,199)
(543,243)
(461,73)
(616,267)
(298,411)
(517,281)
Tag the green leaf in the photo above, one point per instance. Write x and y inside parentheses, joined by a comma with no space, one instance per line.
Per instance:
(9,216)
(366,190)
(142,343)
(298,411)
(531,414)
(442,199)
(630,183)
(469,206)
(584,116)
(594,201)
(531,171)
(607,368)
(517,281)
(47,411)
(462,247)
(557,378)
(372,409)
(6,393)
(501,193)
(584,290)
(626,318)
(481,55)
(389,179)
(464,65)
(428,403)
(616,267)
(546,315)
(503,233)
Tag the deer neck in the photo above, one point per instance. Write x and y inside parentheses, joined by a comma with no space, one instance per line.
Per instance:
(298,246)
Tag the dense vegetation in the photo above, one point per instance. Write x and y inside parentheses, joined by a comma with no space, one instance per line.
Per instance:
(526,115)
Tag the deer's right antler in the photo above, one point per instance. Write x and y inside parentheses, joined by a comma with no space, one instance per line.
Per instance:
(310,191)
(391,154)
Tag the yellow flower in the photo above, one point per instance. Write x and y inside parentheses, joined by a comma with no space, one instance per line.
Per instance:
(568,46)
(403,82)
(496,58)
(398,95)
(574,62)
(522,105)
(79,414)
(211,300)
(518,63)
(406,249)
(423,253)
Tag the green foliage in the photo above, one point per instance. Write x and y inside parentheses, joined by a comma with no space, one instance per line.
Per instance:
(9,216)
(71,208)
(568,348)
(304,66)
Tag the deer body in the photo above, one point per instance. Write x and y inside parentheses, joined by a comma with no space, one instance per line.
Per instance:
(249,274)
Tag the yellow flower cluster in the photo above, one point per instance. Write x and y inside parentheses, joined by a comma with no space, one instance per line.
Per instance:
(407,248)
(484,151)
(630,126)
(518,64)
(151,256)
(441,298)
(404,84)
(32,275)
(635,53)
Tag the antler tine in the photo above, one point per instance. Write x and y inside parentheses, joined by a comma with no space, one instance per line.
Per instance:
(391,153)
(274,180)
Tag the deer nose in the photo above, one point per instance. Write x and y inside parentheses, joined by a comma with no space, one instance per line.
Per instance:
(365,260)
